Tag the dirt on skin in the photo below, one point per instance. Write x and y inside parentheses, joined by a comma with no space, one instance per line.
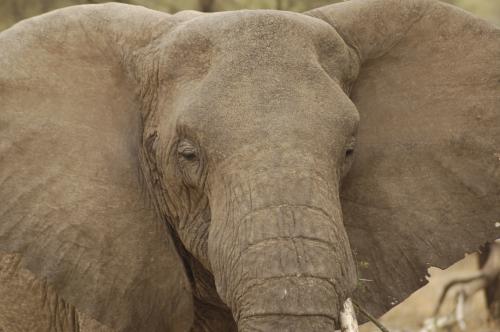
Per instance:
(410,315)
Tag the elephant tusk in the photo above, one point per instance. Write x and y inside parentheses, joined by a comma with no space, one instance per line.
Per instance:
(348,322)
(370,317)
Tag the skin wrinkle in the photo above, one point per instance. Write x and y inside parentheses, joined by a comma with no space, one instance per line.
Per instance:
(422,14)
(233,254)
(233,206)
(377,267)
(228,210)
(249,317)
(56,314)
(257,282)
(310,173)
(315,173)
(265,77)
(297,255)
(322,16)
(163,204)
(451,172)
(267,207)
(147,61)
(252,246)
(30,191)
(346,35)
(44,255)
(438,162)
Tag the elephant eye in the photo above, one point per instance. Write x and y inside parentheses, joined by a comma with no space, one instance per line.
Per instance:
(188,155)
(187,151)
(348,159)
(349,152)
(190,163)
(349,147)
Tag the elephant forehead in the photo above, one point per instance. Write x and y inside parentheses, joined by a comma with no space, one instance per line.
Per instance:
(250,38)
(232,77)
(259,27)
(283,109)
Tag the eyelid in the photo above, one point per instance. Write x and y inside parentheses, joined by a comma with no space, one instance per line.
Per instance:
(186,147)
(186,150)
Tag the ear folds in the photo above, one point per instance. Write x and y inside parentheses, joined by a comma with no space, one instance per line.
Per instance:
(72,204)
(425,186)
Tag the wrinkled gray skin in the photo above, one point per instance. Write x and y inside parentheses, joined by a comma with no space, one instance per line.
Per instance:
(247,186)
(237,131)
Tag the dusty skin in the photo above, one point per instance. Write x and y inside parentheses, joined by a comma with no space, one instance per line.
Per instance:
(243,170)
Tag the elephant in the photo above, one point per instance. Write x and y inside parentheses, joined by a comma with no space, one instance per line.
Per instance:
(241,171)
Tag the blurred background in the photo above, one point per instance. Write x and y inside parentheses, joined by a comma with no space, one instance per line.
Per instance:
(12,11)
(409,315)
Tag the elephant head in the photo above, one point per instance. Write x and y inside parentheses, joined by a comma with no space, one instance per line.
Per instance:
(294,160)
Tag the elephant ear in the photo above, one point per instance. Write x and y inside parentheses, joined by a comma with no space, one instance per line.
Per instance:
(425,186)
(70,135)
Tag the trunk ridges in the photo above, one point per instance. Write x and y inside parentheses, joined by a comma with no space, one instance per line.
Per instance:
(281,251)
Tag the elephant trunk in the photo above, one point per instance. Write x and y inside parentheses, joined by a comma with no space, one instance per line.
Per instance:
(280,255)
